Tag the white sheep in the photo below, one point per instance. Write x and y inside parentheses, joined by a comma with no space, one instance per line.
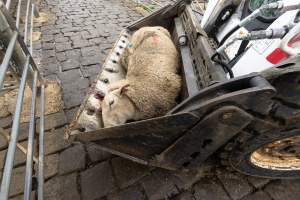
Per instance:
(90,117)
(88,121)
(152,83)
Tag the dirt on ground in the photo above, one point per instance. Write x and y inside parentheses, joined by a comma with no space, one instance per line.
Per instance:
(53,101)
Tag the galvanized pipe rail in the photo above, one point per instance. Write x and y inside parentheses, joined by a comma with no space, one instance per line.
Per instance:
(19,57)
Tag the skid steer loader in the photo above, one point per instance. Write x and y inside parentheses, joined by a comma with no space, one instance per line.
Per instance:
(251,123)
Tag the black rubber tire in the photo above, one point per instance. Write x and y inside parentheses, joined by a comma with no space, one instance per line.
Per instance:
(240,158)
(285,114)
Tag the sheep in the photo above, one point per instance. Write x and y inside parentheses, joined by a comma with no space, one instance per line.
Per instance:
(100,89)
(89,121)
(90,117)
(152,83)
(140,35)
(108,76)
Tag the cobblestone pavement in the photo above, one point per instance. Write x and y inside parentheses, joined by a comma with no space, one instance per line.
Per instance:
(155,2)
(74,43)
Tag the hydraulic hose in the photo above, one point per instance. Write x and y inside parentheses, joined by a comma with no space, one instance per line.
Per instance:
(223,65)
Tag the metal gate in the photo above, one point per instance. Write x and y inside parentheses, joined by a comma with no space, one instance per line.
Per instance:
(18,62)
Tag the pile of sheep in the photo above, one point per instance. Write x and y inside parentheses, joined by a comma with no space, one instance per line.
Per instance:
(139,80)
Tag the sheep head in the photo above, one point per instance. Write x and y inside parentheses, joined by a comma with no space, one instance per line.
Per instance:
(117,108)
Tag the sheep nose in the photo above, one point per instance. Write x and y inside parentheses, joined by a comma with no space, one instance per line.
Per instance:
(99,95)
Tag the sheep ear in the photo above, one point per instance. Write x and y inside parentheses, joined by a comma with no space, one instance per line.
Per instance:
(124,88)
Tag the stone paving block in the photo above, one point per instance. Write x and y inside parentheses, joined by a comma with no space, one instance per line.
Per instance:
(54,141)
(91,33)
(59,47)
(185,196)
(47,27)
(61,39)
(20,157)
(50,60)
(69,76)
(96,154)
(184,180)
(74,38)
(61,56)
(92,60)
(21,197)
(51,165)
(284,189)
(72,159)
(70,114)
(90,51)
(81,43)
(5,122)
(159,185)
(24,128)
(62,25)
(98,41)
(74,98)
(76,85)
(209,188)
(37,46)
(62,188)
(259,195)
(3,142)
(91,71)
(47,38)
(52,120)
(128,172)
(235,184)
(70,64)
(69,30)
(130,193)
(50,69)
(17,181)
(48,45)
(68,34)
(258,182)
(48,54)
(97,182)
(74,54)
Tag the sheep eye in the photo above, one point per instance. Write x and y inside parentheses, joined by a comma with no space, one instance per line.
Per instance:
(90,111)
(111,102)
(105,80)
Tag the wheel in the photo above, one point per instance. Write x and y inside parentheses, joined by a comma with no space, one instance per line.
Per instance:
(270,145)
(274,155)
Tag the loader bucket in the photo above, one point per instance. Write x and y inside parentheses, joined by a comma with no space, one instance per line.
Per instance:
(210,112)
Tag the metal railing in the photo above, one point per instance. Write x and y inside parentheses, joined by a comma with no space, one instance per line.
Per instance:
(19,62)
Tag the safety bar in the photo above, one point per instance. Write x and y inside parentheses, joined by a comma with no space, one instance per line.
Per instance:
(18,59)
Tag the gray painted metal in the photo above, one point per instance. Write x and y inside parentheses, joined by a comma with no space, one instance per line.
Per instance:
(26,22)
(8,167)
(23,65)
(41,146)
(30,145)
(7,57)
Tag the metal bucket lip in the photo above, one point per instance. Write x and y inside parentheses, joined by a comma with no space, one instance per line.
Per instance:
(168,12)
(104,131)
